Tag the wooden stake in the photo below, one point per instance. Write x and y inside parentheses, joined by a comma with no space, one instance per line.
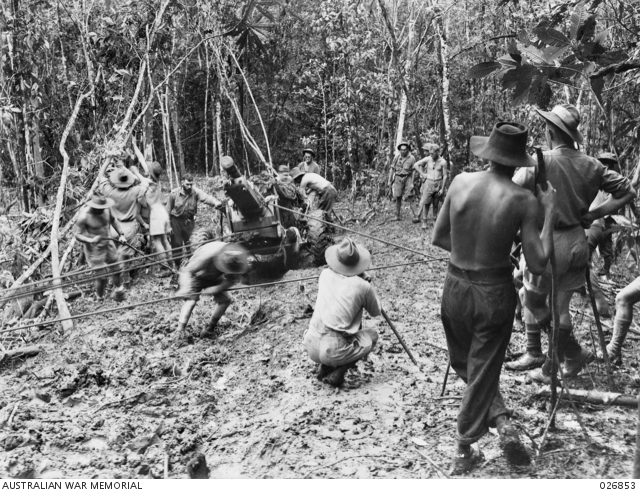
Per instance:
(395,331)
(603,345)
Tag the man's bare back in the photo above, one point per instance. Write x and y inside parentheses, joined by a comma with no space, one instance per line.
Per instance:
(481,217)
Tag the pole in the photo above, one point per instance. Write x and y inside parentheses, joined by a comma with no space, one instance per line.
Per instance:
(446,377)
(395,331)
(541,179)
(603,346)
(636,460)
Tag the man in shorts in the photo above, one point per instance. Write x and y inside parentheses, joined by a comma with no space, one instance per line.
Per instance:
(479,221)
(93,230)
(321,192)
(212,269)
(577,178)
(400,175)
(335,338)
(434,171)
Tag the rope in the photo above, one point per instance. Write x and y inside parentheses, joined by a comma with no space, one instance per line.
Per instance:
(390,243)
(169,298)
(92,269)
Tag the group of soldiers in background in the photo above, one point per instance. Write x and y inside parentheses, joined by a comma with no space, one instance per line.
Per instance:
(432,172)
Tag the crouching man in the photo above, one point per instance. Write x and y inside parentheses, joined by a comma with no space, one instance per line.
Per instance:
(213,268)
(335,338)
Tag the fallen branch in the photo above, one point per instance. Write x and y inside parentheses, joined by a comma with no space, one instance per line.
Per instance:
(598,397)
(21,352)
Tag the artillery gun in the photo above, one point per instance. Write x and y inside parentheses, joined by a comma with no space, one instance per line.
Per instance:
(278,240)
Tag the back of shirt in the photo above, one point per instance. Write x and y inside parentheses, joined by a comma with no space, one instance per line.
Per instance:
(315,182)
(340,302)
(201,263)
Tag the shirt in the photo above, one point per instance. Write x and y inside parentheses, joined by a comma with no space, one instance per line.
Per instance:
(340,302)
(201,262)
(312,167)
(186,206)
(435,169)
(125,207)
(403,165)
(314,182)
(577,179)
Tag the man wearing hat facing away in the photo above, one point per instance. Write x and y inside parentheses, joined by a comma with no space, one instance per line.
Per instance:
(400,175)
(182,207)
(212,269)
(308,164)
(434,171)
(478,223)
(577,178)
(320,191)
(335,338)
(93,230)
(123,187)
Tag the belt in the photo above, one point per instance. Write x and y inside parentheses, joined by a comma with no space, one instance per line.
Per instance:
(402,175)
(497,274)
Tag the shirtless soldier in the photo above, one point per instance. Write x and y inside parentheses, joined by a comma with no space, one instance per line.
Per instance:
(435,175)
(93,229)
(479,220)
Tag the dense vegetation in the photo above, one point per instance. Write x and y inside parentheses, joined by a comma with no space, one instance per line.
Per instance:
(260,80)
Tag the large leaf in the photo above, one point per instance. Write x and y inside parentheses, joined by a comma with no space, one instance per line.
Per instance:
(482,69)
(578,16)
(552,53)
(523,83)
(553,37)
(510,60)
(533,54)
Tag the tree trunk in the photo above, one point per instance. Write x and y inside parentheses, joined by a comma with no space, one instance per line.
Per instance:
(175,125)
(446,118)
(63,310)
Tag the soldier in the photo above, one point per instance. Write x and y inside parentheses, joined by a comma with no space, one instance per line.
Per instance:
(479,221)
(93,230)
(182,207)
(123,187)
(578,178)
(213,268)
(335,338)
(435,175)
(400,175)
(308,164)
(317,188)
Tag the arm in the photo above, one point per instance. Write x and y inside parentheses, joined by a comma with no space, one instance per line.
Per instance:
(141,159)
(442,229)
(140,220)
(144,181)
(372,303)
(227,281)
(206,198)
(609,206)
(537,249)
(418,167)
(170,202)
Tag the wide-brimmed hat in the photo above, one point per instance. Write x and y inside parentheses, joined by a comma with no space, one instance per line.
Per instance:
(404,144)
(155,170)
(310,151)
(122,178)
(99,202)
(507,145)
(296,172)
(233,259)
(348,258)
(566,117)
(608,158)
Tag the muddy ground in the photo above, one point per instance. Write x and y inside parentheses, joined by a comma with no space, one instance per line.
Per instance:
(115,397)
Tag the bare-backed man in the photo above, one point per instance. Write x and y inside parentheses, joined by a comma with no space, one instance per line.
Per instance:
(478,223)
